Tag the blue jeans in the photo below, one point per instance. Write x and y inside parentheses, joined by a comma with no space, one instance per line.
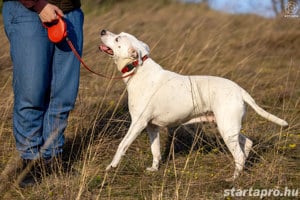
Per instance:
(45,80)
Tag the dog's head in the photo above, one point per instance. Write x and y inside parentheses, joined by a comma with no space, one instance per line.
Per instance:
(124,48)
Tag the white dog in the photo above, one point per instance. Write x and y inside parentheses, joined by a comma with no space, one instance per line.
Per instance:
(160,98)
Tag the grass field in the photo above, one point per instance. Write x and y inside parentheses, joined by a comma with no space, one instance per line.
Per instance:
(261,55)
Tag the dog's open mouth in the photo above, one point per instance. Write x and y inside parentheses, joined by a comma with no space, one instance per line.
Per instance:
(106,49)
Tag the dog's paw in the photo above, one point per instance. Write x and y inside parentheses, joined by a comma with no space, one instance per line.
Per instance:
(152,169)
(108,168)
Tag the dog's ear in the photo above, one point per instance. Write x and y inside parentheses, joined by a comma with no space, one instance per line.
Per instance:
(133,53)
(146,47)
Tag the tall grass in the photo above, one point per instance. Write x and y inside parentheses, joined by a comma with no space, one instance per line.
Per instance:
(259,54)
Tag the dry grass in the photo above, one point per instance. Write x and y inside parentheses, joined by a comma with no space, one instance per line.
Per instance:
(261,55)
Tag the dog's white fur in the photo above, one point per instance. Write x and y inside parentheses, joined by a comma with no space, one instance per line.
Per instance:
(160,98)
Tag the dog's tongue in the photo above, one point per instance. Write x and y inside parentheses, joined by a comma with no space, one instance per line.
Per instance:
(106,49)
(102,47)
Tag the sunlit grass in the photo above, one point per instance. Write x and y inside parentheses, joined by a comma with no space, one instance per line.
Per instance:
(260,55)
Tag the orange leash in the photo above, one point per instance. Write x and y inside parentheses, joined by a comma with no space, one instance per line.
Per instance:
(88,68)
(57,32)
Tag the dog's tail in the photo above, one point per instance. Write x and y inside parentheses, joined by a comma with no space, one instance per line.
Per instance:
(249,100)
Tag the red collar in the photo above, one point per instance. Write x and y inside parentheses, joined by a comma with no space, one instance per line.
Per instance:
(133,65)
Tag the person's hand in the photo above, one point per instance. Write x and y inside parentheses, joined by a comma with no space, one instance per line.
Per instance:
(49,13)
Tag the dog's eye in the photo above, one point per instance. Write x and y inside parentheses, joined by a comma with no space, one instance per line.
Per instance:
(117,39)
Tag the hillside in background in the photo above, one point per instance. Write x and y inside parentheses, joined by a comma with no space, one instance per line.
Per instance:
(261,55)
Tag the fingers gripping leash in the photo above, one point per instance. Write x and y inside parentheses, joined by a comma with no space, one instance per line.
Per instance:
(57,30)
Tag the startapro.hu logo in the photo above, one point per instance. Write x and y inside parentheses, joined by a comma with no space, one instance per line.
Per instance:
(291,9)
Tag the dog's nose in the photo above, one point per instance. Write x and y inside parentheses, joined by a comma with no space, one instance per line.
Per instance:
(103,32)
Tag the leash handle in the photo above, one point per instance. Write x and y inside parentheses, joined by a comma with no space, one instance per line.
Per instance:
(57,30)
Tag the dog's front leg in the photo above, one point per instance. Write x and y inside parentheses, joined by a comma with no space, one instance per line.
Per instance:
(134,130)
(153,132)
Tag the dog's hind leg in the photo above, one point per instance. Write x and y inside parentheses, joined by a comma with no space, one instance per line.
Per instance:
(229,125)
(153,132)
(232,142)
(246,144)
(135,129)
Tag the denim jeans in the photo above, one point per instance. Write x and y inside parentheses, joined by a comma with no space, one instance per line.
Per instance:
(45,80)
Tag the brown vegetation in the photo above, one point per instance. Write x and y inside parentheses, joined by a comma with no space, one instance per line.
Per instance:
(261,55)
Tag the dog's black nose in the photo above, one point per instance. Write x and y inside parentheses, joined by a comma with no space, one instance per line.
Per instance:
(103,32)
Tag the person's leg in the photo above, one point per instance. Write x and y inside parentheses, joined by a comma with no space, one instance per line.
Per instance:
(30,50)
(64,86)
